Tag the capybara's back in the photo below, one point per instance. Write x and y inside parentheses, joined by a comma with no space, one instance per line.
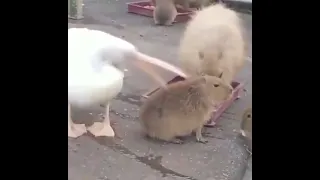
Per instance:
(213,43)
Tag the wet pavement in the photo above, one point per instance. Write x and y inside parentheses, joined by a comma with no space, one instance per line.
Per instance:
(132,156)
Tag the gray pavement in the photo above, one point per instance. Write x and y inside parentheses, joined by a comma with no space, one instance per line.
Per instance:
(248,173)
(132,156)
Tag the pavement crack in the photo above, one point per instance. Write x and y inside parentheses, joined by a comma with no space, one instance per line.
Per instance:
(154,162)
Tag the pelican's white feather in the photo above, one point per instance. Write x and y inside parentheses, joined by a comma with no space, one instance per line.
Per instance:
(92,78)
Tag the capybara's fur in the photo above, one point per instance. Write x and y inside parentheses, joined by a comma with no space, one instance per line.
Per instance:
(212,43)
(164,12)
(183,107)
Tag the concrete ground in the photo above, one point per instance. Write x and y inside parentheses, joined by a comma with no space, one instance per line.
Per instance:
(248,173)
(132,156)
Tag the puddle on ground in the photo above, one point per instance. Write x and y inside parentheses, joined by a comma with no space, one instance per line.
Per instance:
(154,162)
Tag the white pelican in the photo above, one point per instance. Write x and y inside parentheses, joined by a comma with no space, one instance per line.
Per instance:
(93,77)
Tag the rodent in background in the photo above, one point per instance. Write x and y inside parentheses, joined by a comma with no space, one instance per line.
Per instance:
(246,123)
(213,43)
(164,12)
(182,108)
(246,128)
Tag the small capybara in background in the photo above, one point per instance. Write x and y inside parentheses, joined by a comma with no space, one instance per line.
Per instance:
(164,12)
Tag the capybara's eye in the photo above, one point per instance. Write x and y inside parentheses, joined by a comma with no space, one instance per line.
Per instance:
(249,116)
(216,85)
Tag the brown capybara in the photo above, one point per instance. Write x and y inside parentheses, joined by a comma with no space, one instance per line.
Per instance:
(183,107)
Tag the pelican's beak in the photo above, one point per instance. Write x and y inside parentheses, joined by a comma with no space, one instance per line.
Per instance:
(144,62)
